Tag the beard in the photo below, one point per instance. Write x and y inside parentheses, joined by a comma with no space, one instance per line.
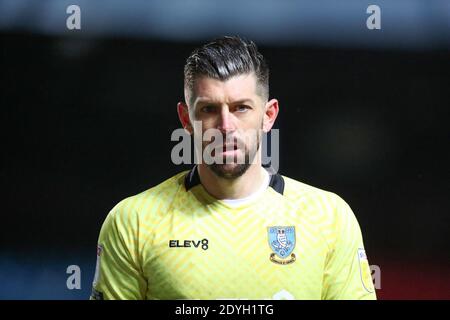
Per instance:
(229,173)
(233,169)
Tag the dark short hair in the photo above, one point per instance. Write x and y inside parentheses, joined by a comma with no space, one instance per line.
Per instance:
(224,58)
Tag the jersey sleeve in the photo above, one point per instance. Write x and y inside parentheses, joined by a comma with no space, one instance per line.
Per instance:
(118,273)
(347,272)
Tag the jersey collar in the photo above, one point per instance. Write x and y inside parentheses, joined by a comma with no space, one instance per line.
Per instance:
(192,179)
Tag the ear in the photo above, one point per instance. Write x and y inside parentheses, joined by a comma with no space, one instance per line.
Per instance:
(183,115)
(270,114)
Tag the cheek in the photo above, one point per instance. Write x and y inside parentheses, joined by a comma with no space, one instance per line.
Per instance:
(207,121)
(254,122)
(251,137)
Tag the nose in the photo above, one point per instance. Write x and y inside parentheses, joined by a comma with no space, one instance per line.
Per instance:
(225,120)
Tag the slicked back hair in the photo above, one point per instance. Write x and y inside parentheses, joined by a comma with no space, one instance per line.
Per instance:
(224,58)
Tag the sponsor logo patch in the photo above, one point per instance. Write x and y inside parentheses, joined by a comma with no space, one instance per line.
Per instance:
(203,244)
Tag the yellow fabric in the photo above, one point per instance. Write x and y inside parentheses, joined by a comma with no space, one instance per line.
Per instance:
(136,261)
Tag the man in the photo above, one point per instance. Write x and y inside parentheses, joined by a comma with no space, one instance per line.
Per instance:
(228,228)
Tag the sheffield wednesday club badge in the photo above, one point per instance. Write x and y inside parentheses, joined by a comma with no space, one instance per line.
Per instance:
(282,243)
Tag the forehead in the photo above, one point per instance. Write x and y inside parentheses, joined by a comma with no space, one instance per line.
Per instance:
(237,88)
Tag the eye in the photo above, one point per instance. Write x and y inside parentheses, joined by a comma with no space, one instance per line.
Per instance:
(242,108)
(208,109)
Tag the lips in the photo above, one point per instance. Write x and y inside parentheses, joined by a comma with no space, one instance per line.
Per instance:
(229,147)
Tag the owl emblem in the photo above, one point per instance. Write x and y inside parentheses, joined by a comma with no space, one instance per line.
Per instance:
(281,237)
(282,242)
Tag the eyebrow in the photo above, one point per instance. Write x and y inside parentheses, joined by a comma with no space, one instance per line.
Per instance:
(206,100)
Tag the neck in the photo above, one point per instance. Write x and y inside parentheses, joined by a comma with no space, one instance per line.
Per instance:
(241,187)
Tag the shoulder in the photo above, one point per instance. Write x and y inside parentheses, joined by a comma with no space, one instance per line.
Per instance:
(147,204)
(326,210)
(319,203)
(299,191)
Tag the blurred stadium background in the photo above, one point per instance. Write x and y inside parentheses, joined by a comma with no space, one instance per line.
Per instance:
(87,117)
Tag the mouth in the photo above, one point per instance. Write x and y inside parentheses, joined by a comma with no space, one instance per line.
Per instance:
(229,150)
(229,147)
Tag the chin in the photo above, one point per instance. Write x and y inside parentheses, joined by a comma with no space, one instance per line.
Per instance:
(229,171)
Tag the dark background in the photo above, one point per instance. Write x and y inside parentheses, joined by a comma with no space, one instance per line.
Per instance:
(86,122)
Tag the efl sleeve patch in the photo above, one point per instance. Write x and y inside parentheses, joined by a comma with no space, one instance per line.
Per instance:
(364,271)
(97,266)
(96,295)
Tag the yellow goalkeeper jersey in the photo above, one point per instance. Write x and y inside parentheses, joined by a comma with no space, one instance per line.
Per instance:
(175,241)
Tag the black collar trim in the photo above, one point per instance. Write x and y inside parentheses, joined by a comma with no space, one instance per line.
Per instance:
(192,179)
